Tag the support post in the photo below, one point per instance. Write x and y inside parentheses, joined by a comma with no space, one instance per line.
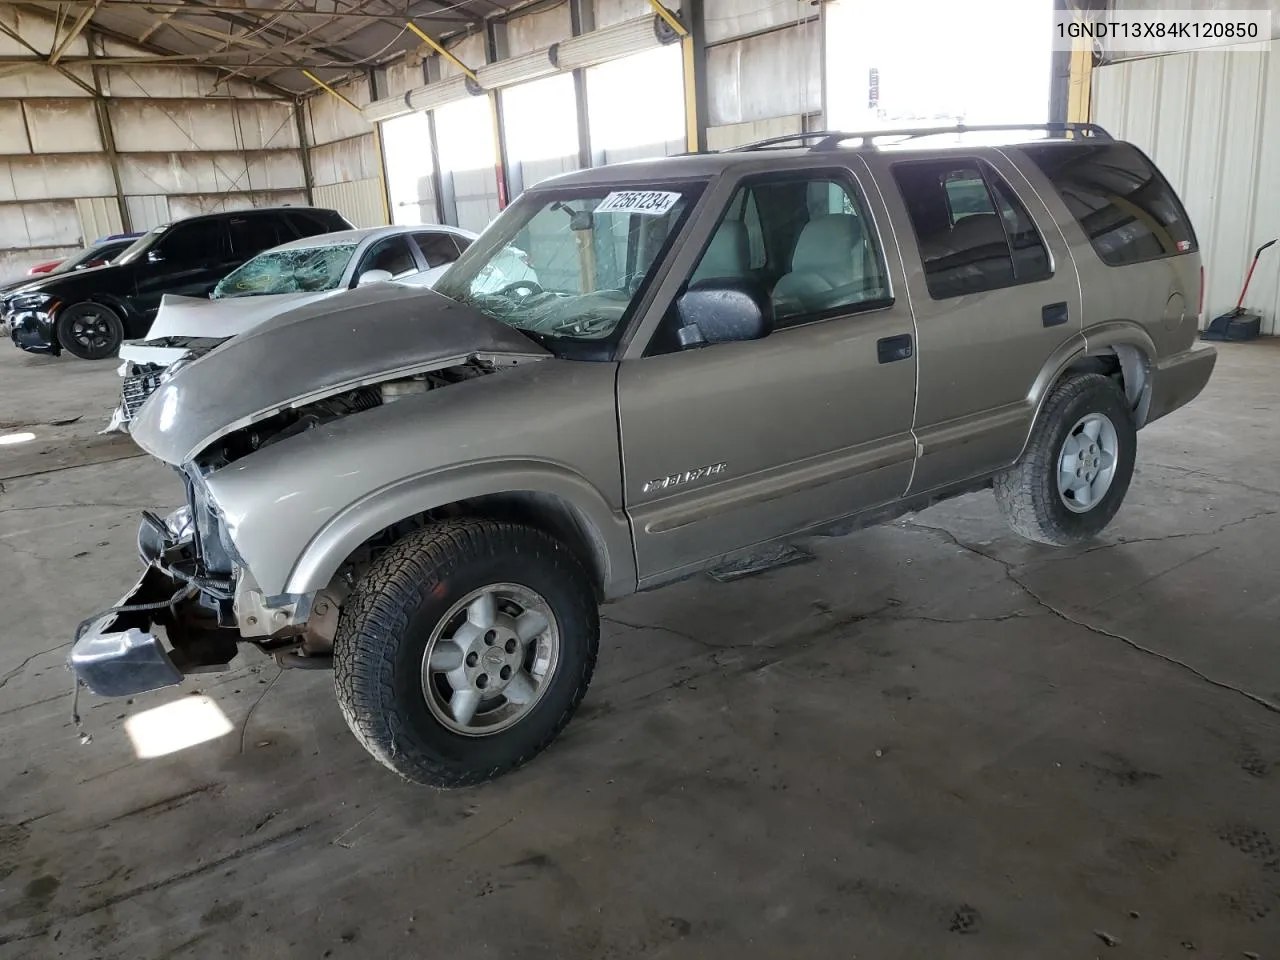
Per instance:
(108,146)
(304,150)
(495,50)
(582,20)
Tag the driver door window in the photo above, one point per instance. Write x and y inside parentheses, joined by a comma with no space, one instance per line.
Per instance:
(391,254)
(808,241)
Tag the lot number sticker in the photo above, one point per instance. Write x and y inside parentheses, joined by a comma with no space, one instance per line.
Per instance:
(650,203)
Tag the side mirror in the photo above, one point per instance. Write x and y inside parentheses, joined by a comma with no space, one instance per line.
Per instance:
(374,276)
(723,310)
(155,256)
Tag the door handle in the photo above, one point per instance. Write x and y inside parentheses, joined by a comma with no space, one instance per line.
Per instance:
(1054,314)
(889,349)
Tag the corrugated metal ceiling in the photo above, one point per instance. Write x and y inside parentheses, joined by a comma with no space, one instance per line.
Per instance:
(272,41)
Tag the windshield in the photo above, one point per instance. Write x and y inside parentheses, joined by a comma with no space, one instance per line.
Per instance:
(291,270)
(142,244)
(569,264)
(107,253)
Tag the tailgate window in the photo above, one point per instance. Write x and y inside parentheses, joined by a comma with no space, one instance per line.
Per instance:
(1125,206)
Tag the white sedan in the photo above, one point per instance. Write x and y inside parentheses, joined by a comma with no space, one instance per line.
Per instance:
(282,278)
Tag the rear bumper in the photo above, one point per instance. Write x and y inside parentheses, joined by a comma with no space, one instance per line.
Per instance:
(1176,381)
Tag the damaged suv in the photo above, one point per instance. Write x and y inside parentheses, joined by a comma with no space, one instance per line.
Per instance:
(432,492)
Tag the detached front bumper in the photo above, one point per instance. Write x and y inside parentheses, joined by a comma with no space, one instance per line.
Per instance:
(121,653)
(1176,381)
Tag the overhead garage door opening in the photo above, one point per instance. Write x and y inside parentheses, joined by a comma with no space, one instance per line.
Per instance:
(406,146)
(987,63)
(635,106)
(540,123)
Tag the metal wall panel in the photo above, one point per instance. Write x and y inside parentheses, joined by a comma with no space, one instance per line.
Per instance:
(1211,122)
(609,12)
(13,128)
(329,119)
(359,201)
(470,50)
(210,172)
(142,80)
(538,30)
(401,76)
(146,212)
(43,82)
(44,224)
(772,75)
(63,126)
(190,206)
(99,217)
(736,134)
(733,18)
(209,125)
(344,161)
(55,177)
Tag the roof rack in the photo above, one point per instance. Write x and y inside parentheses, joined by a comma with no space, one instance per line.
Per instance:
(832,139)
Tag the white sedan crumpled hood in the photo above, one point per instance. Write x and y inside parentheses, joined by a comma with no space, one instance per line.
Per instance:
(198,317)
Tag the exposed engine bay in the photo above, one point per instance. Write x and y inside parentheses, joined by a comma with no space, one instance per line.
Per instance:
(297,420)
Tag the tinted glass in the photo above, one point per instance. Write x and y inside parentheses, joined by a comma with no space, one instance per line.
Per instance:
(256,232)
(973,232)
(437,248)
(196,242)
(308,224)
(1127,209)
(391,255)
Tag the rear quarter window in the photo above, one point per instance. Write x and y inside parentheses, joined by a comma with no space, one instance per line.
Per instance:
(1122,202)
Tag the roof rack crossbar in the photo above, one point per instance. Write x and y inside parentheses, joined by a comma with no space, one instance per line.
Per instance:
(835,138)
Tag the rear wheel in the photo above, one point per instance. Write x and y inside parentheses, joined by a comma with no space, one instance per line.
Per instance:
(90,331)
(465,650)
(1076,469)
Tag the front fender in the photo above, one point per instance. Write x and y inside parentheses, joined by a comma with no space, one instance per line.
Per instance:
(607,530)
(296,509)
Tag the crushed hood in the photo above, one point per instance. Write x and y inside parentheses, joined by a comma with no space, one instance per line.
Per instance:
(369,335)
(201,317)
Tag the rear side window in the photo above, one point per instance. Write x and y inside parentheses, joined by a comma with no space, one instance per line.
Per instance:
(255,232)
(309,224)
(1125,206)
(437,248)
(973,232)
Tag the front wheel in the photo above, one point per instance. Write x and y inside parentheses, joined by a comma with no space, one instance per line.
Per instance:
(1076,469)
(465,650)
(90,331)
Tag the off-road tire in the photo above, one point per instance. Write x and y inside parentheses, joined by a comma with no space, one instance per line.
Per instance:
(113,338)
(388,619)
(1027,493)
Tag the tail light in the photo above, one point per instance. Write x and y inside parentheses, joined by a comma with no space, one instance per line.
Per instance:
(1200,308)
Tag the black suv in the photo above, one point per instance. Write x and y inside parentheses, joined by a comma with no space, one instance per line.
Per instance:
(90,313)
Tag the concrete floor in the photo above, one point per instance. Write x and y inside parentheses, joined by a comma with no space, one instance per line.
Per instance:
(935,741)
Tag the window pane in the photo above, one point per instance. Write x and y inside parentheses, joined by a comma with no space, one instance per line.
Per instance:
(391,255)
(437,248)
(1030,258)
(1127,209)
(252,234)
(194,242)
(809,242)
(969,240)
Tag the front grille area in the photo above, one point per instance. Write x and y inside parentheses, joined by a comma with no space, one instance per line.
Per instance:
(136,389)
